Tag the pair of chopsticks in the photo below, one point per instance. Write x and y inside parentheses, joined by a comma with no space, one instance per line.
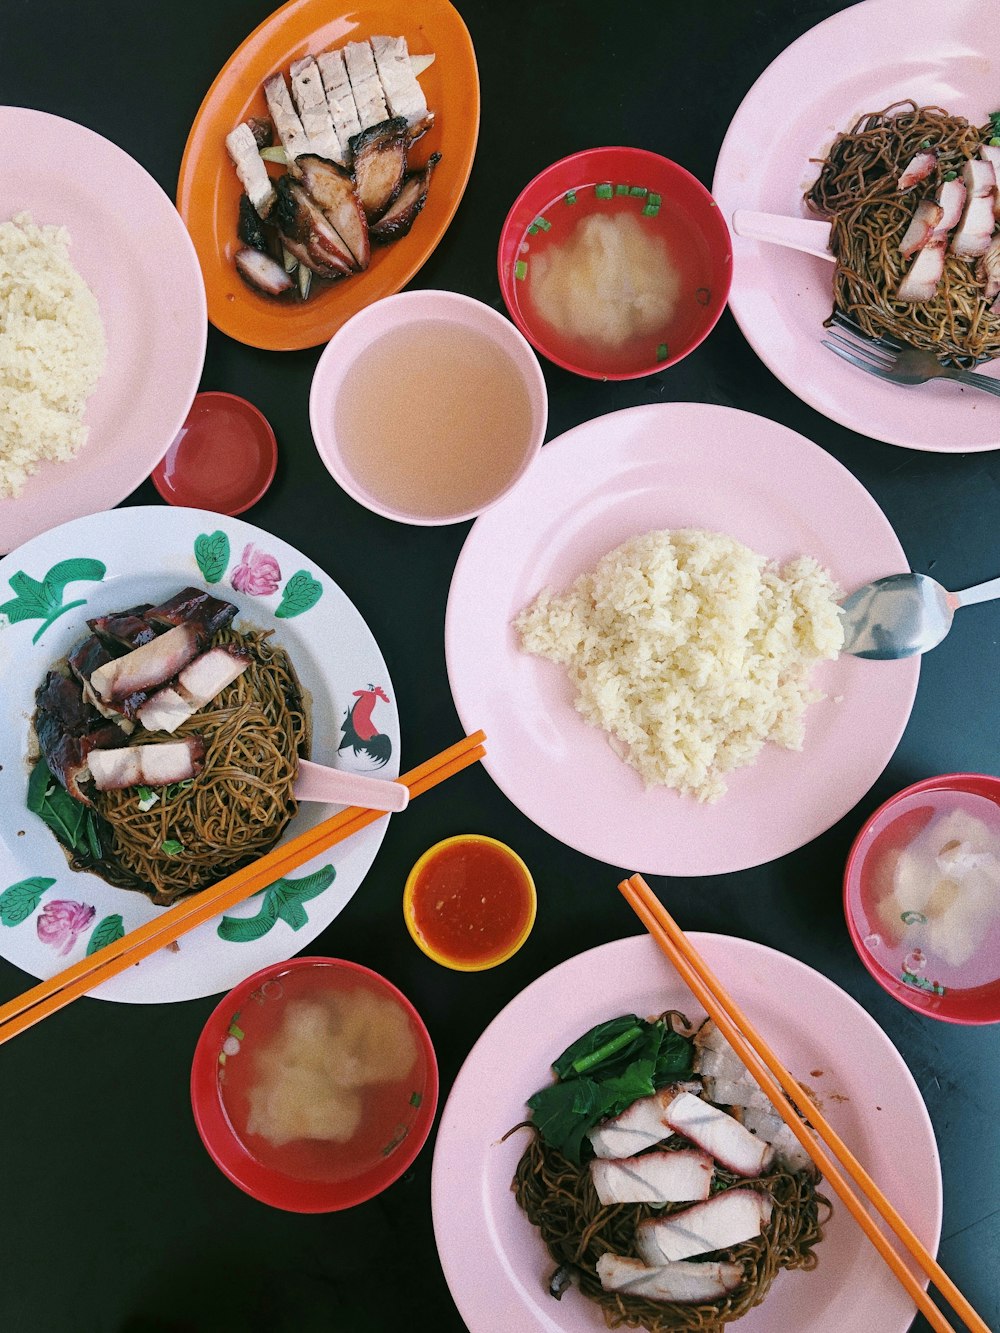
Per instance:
(774,1079)
(25,1010)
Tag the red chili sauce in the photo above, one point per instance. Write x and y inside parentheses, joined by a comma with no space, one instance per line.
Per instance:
(471,902)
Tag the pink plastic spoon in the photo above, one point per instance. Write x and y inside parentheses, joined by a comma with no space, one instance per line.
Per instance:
(333,786)
(810,235)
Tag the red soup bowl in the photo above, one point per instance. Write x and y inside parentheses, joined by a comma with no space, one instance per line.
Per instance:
(664,209)
(314,1085)
(892,913)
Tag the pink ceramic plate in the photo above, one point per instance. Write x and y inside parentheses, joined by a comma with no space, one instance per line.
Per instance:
(861,59)
(497,1266)
(128,242)
(669,466)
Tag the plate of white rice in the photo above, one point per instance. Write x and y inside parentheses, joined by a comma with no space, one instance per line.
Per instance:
(646,628)
(102,323)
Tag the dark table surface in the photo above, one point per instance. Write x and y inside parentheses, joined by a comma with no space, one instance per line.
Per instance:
(112,1216)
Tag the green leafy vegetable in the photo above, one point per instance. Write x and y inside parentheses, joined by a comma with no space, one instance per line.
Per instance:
(950,175)
(171,847)
(73,823)
(602,1073)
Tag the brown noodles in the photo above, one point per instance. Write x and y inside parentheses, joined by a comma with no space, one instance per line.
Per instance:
(238,806)
(857,190)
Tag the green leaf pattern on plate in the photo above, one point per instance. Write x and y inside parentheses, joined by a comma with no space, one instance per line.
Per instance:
(282,901)
(106,931)
(211,550)
(19,901)
(42,601)
(299,594)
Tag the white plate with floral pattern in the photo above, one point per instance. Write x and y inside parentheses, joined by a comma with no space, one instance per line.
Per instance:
(50,915)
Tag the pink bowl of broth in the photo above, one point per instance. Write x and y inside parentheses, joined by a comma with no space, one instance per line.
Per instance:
(922,897)
(428,407)
(615,263)
(314,1085)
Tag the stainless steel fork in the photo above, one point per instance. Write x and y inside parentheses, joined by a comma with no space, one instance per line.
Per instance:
(895,361)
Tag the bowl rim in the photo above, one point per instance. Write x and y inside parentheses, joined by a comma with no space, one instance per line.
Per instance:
(270,1187)
(269,452)
(442,958)
(888,982)
(391,311)
(715,307)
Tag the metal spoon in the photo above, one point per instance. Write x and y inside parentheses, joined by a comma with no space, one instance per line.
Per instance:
(904,614)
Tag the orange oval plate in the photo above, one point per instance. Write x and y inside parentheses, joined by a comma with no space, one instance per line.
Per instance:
(208,191)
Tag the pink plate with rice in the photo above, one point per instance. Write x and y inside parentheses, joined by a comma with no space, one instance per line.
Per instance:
(128,243)
(671,465)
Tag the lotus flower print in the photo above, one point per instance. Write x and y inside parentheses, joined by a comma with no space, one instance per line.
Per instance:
(61,921)
(257,573)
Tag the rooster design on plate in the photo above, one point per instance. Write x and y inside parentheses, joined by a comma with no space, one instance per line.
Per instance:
(360,730)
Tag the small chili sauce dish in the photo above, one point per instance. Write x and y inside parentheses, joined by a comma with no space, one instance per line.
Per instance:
(469,902)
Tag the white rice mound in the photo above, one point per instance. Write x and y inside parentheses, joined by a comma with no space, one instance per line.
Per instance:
(52,350)
(691,650)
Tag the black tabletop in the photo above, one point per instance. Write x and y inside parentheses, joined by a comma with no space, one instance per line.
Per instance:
(112,1216)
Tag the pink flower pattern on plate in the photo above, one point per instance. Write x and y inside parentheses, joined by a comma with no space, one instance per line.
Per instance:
(257,573)
(61,921)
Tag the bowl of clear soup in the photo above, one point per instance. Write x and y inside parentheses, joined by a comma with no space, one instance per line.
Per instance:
(428,407)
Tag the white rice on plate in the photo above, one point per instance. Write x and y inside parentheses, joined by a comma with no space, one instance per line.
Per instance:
(691,650)
(52,350)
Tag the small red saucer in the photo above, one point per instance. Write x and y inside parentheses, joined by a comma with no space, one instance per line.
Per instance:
(223,459)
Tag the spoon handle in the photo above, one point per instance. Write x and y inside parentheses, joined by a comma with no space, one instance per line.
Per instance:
(807,234)
(982,592)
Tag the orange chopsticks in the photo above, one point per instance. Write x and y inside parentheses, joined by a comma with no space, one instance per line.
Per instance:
(773,1078)
(44,999)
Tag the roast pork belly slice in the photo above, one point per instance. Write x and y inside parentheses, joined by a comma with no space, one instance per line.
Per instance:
(401,214)
(687,1284)
(403,94)
(129,628)
(242,146)
(684,1176)
(333,189)
(365,84)
(314,113)
(147,765)
(718,1134)
(303,222)
(725,1219)
(62,698)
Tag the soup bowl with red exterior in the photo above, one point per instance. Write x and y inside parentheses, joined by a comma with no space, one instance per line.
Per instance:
(895,823)
(387,1144)
(670,202)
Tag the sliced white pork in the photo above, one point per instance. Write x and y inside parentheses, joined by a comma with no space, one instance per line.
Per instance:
(744,1091)
(197,685)
(922,277)
(684,1176)
(921,227)
(640,1126)
(688,1284)
(990,152)
(718,1134)
(339,97)
(286,122)
(972,236)
(403,94)
(724,1220)
(365,84)
(314,113)
(147,765)
(242,148)
(764,1123)
(152,664)
(917,169)
(989,268)
(789,1152)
